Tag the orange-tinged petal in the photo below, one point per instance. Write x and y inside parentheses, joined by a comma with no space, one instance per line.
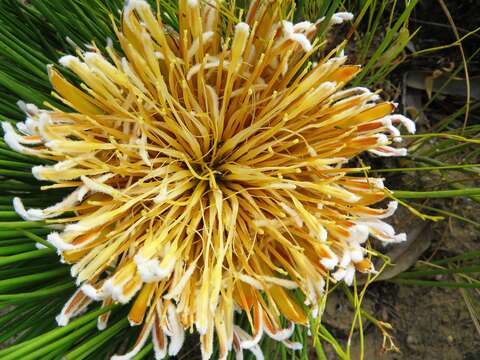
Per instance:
(344,74)
(376,112)
(137,312)
(364,266)
(75,97)
(289,307)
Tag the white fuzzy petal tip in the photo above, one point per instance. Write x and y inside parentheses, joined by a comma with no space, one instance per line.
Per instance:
(382,139)
(101,325)
(356,254)
(20,209)
(145,269)
(152,270)
(358,234)
(346,274)
(287,27)
(292,345)
(15,140)
(23,128)
(391,208)
(12,142)
(302,40)
(329,263)
(62,320)
(37,172)
(377,182)
(400,237)
(68,60)
(56,240)
(408,123)
(178,334)
(349,275)
(7,127)
(341,17)
(386,151)
(303,26)
(77,227)
(22,105)
(283,334)
(136,4)
(92,293)
(91,57)
(242,28)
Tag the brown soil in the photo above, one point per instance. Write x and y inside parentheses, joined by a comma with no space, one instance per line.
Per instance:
(428,323)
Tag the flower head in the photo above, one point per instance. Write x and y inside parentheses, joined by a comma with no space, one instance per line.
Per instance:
(210,173)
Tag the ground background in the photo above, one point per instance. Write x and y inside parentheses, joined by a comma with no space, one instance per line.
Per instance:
(428,323)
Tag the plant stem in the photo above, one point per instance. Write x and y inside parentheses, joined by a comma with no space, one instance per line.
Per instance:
(401,194)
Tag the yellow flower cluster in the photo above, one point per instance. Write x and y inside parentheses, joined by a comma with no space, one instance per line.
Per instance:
(210,174)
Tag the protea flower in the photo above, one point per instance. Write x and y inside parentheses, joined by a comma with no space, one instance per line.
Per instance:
(210,173)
